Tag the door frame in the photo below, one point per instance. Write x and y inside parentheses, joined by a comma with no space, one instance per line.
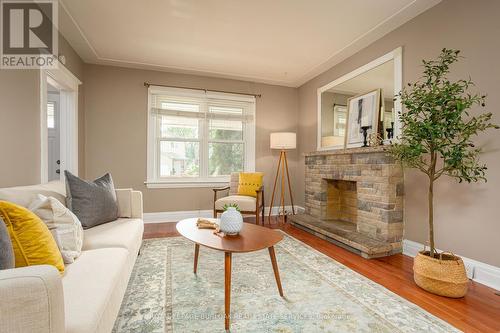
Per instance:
(56,99)
(67,84)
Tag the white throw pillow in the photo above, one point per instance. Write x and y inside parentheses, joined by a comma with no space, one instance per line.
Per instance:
(67,227)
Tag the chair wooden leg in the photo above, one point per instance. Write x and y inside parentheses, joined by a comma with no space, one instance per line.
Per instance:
(215,214)
(257,209)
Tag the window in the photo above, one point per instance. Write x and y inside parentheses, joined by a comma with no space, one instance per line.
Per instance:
(51,115)
(198,138)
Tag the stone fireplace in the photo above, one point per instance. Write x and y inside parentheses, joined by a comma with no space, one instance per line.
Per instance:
(354,198)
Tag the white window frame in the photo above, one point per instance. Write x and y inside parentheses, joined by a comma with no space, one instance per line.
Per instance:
(153,177)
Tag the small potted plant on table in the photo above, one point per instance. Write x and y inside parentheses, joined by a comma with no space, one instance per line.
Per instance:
(436,138)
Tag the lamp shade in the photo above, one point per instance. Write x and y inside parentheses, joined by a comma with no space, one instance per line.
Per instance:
(283,140)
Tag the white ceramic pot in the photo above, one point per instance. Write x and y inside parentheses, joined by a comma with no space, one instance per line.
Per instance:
(231,221)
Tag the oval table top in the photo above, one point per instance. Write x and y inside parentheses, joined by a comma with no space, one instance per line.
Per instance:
(251,238)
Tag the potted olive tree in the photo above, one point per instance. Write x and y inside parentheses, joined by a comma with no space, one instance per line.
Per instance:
(437,139)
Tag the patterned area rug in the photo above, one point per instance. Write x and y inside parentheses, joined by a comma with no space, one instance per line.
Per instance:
(321,295)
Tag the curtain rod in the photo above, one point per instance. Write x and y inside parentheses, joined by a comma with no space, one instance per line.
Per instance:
(147,84)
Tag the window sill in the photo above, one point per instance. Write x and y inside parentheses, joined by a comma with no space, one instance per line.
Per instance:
(186,184)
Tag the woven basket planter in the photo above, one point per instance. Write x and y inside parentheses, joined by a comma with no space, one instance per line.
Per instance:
(444,275)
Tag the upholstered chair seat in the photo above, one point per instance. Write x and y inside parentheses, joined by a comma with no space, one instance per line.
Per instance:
(244,203)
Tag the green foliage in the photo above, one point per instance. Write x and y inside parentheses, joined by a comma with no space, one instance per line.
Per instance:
(226,206)
(437,127)
(225,157)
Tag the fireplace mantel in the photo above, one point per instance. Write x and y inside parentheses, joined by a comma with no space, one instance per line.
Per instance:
(378,228)
(360,150)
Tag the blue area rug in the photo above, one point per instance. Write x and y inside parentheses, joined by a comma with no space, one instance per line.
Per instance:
(321,295)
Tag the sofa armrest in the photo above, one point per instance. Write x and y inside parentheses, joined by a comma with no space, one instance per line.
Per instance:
(31,300)
(137,208)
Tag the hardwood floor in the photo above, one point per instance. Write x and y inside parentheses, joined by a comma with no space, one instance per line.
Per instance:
(479,311)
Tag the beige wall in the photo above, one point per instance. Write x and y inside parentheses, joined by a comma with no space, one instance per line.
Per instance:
(466,215)
(20,120)
(116,133)
(19,127)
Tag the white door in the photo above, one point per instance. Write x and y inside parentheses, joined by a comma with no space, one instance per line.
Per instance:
(53,136)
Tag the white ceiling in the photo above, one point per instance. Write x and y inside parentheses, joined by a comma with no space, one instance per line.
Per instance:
(284,42)
(379,77)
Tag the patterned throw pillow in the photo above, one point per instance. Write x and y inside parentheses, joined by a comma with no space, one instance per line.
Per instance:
(94,202)
(32,241)
(67,227)
(249,183)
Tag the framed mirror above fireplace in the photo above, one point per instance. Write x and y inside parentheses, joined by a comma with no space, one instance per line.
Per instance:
(345,104)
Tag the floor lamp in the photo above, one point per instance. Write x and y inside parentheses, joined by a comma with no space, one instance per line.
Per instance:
(283,141)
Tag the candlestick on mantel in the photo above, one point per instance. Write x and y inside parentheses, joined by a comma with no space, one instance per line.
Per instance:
(365,133)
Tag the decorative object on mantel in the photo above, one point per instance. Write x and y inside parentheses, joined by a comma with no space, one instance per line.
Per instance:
(390,131)
(283,141)
(365,134)
(437,140)
(231,220)
(363,112)
(375,139)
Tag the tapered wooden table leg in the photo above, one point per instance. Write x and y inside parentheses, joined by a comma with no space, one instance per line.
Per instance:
(227,288)
(275,269)
(196,252)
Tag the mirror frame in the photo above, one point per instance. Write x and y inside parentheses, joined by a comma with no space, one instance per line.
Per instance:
(397,56)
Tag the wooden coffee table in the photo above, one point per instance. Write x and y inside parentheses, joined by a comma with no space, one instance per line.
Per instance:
(251,238)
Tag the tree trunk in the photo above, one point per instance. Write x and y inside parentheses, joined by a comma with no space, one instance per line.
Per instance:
(431,217)
(431,174)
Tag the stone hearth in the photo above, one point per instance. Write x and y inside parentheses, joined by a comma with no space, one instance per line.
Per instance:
(354,198)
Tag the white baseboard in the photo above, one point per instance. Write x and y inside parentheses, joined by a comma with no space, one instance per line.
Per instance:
(180,215)
(175,216)
(486,274)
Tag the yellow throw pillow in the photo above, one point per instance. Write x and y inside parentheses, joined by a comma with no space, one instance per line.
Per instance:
(249,183)
(31,239)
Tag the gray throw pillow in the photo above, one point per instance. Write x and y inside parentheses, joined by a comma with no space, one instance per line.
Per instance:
(94,202)
(6,251)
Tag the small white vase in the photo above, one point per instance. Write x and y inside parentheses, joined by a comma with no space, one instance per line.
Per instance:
(231,221)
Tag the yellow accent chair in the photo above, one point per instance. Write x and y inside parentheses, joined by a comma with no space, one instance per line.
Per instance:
(246,191)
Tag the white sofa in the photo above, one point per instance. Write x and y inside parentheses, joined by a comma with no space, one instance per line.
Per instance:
(89,295)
